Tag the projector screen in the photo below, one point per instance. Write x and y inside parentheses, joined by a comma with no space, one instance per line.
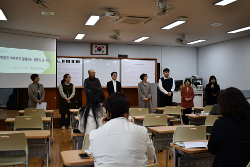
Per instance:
(21,56)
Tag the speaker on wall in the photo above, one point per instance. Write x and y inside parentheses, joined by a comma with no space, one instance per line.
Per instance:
(122,56)
(158,71)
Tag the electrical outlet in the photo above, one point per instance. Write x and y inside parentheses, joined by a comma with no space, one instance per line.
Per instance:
(54,97)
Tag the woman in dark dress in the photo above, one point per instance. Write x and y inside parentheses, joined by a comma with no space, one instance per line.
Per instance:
(230,136)
(212,89)
(67,92)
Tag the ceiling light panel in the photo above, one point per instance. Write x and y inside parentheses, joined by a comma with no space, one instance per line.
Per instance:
(2,16)
(79,36)
(174,24)
(239,30)
(92,20)
(197,41)
(224,2)
(141,39)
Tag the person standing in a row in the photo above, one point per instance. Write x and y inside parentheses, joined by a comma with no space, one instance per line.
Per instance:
(166,86)
(67,92)
(91,82)
(114,85)
(212,90)
(145,93)
(187,96)
(36,92)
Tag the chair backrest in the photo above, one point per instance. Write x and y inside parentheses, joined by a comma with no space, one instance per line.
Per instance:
(138,111)
(28,123)
(152,165)
(155,120)
(248,165)
(34,112)
(86,143)
(172,110)
(13,141)
(210,119)
(189,133)
(208,108)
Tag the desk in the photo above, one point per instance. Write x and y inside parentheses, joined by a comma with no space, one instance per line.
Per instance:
(72,158)
(48,112)
(196,119)
(72,112)
(199,156)
(33,137)
(162,137)
(142,117)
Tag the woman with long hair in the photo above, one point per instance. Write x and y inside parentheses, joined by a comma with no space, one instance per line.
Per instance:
(67,92)
(212,89)
(90,116)
(230,136)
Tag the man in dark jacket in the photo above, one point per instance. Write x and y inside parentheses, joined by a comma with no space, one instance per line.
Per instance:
(91,82)
(113,85)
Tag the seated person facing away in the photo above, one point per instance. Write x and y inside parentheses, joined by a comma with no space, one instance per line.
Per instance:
(230,137)
(90,116)
(215,110)
(119,142)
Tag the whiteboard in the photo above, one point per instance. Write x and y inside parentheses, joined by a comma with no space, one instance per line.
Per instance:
(132,69)
(72,66)
(103,69)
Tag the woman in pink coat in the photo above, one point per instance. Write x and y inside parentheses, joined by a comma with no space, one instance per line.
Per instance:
(187,96)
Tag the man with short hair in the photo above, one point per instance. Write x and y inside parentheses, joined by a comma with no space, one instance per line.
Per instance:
(114,85)
(166,86)
(91,82)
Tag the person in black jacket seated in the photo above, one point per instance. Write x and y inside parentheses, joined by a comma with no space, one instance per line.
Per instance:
(230,137)
(91,82)
(212,89)
(114,85)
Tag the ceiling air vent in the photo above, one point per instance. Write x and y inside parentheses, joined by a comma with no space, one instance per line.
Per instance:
(133,20)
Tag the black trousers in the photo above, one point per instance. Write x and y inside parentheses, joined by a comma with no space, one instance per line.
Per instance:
(166,100)
(63,119)
(185,118)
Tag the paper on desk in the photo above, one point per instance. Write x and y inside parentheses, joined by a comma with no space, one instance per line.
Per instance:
(195,144)
(42,105)
(87,151)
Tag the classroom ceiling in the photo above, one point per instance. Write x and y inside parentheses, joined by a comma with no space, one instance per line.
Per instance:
(71,15)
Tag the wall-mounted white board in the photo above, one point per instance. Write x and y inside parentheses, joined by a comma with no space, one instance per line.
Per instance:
(103,69)
(72,66)
(132,69)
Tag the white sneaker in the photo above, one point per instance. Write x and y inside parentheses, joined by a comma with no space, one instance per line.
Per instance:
(63,127)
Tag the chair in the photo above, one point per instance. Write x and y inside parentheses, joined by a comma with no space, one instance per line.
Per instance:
(28,123)
(176,110)
(248,165)
(86,143)
(208,108)
(183,133)
(210,119)
(34,112)
(138,111)
(13,142)
(155,120)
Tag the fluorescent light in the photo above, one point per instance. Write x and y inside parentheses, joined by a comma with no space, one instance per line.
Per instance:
(224,2)
(179,22)
(197,41)
(92,20)
(2,16)
(239,30)
(79,36)
(140,39)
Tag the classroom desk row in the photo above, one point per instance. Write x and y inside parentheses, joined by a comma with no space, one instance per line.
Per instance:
(48,113)
(33,139)
(160,141)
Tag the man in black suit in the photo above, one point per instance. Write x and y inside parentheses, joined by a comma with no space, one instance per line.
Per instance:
(114,85)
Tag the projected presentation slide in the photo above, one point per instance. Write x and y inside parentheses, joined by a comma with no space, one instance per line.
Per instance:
(27,61)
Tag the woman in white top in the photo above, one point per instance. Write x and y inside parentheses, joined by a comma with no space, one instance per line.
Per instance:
(119,142)
(91,114)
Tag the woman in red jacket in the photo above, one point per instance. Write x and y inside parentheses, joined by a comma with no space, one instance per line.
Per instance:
(187,96)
